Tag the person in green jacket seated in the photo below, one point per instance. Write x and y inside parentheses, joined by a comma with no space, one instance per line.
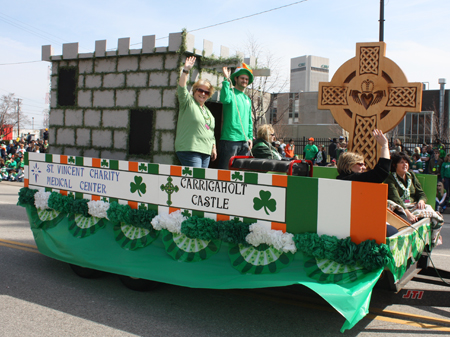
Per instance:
(403,186)
(263,144)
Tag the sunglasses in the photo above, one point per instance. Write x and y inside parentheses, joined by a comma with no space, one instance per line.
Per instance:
(272,134)
(203,91)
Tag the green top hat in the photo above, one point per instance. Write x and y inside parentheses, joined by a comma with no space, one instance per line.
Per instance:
(244,70)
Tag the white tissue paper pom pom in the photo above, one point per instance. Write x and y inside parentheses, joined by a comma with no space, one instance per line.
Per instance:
(98,208)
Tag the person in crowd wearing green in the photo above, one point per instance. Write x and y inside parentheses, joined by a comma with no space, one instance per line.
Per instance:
(425,158)
(310,151)
(445,172)
(435,164)
(416,163)
(195,144)
(236,138)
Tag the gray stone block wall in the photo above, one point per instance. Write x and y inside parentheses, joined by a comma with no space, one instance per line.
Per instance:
(74,117)
(112,84)
(102,138)
(83,137)
(92,117)
(115,118)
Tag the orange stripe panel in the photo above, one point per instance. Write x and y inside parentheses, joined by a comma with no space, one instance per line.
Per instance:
(133,166)
(368,214)
(173,209)
(133,204)
(63,159)
(95,162)
(63,192)
(279,226)
(95,197)
(175,171)
(222,217)
(223,175)
(279,180)
(25,182)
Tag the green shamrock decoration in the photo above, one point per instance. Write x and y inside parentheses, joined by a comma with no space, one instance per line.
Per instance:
(142,207)
(186,213)
(70,194)
(265,201)
(138,186)
(71,160)
(237,176)
(142,167)
(105,199)
(187,171)
(104,163)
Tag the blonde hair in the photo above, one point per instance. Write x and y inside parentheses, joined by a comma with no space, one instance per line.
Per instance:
(206,83)
(347,160)
(264,131)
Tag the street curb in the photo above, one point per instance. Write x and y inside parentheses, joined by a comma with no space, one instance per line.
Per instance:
(12,183)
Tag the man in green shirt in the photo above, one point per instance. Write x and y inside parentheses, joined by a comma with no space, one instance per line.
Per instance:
(237,130)
(311,150)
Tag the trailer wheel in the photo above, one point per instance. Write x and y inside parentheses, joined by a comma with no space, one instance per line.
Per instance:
(86,272)
(138,284)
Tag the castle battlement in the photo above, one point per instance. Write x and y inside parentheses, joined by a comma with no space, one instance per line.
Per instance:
(71,50)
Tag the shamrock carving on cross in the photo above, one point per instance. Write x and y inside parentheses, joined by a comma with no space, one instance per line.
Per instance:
(369,92)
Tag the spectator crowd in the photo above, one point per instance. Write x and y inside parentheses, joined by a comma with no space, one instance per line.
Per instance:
(12,155)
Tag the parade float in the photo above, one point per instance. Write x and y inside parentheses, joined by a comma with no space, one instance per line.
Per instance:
(141,216)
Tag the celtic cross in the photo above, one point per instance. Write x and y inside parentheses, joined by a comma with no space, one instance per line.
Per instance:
(169,188)
(369,92)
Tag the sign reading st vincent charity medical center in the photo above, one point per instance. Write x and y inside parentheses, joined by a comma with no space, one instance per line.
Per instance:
(172,186)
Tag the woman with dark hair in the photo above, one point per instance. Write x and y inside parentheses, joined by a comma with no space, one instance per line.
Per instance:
(404,188)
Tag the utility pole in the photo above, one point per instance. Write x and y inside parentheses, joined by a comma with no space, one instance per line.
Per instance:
(441,107)
(381,20)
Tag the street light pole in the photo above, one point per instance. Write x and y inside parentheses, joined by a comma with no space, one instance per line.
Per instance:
(441,107)
(381,20)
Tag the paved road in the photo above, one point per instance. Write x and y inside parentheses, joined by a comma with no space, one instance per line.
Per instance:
(40,296)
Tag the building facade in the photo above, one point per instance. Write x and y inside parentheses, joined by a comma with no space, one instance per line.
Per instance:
(307,71)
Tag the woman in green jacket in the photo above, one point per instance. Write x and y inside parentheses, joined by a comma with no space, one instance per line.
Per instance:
(263,144)
(403,186)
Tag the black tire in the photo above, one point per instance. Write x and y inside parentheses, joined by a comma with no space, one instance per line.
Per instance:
(138,284)
(86,272)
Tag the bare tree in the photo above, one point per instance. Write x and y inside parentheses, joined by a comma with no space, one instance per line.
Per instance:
(7,112)
(262,87)
(11,114)
(46,118)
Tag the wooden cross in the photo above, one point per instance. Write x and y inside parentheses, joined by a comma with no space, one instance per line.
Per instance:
(369,92)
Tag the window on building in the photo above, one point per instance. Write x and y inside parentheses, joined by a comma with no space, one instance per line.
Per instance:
(139,137)
(67,86)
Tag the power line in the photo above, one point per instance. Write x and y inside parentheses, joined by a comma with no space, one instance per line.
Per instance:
(8,64)
(248,16)
(26,24)
(241,18)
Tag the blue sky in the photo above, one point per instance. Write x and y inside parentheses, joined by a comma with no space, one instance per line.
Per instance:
(416,33)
